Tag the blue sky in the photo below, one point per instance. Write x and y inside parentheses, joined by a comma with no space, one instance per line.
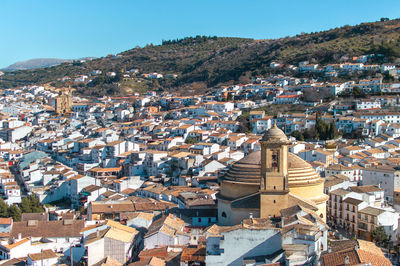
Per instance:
(80,28)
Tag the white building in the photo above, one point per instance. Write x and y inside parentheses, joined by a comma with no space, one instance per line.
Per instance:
(354,173)
(308,67)
(388,178)
(14,134)
(44,258)
(285,99)
(387,67)
(222,244)
(352,66)
(19,248)
(368,105)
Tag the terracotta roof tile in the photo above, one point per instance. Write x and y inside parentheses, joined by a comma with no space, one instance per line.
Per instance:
(46,254)
(64,228)
(16,244)
(373,259)
(339,258)
(194,254)
(112,207)
(6,220)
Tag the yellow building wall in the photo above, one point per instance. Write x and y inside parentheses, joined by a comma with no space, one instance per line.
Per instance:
(312,191)
(234,191)
(308,191)
(272,204)
(396,197)
(322,210)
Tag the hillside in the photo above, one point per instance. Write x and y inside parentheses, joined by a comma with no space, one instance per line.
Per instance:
(202,62)
(35,63)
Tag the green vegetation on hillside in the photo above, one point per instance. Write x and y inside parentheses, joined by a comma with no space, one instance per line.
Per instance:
(29,204)
(210,61)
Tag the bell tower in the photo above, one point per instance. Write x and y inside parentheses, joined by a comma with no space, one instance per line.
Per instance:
(64,102)
(274,189)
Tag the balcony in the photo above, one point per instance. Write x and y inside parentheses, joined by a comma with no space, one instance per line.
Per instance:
(362,226)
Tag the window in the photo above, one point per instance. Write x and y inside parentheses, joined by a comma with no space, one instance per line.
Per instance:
(223,214)
(275,159)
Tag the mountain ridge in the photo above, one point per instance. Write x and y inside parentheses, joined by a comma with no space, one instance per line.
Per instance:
(35,63)
(203,62)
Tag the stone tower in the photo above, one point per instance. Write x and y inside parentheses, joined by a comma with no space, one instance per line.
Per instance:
(64,102)
(274,186)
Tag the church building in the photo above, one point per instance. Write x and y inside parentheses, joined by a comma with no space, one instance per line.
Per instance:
(263,183)
(63,103)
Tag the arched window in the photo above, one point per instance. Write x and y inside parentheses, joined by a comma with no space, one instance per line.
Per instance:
(275,159)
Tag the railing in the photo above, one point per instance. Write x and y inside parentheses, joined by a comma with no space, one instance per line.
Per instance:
(362,226)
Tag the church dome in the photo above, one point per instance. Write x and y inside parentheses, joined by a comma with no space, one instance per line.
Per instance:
(248,171)
(244,177)
(274,134)
(241,191)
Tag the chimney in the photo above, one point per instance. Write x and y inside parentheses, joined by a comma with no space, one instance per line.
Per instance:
(19,236)
(251,215)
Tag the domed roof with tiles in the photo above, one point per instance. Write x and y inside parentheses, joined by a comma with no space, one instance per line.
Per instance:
(274,134)
(248,170)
